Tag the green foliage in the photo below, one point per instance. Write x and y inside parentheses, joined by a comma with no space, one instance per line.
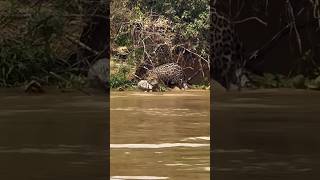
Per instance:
(279,81)
(190,20)
(43,27)
(123,40)
(162,88)
(28,53)
(160,30)
(190,17)
(314,83)
(298,82)
(120,78)
(21,61)
(69,80)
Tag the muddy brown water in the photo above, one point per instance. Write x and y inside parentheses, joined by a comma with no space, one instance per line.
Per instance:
(263,134)
(266,135)
(160,135)
(53,137)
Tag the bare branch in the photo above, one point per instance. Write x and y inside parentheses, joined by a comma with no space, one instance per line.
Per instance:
(251,18)
(292,18)
(75,41)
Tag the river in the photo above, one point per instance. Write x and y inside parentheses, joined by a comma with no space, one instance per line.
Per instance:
(262,134)
(266,135)
(53,136)
(160,135)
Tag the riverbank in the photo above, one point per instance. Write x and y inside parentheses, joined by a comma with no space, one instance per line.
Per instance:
(217,89)
(50,90)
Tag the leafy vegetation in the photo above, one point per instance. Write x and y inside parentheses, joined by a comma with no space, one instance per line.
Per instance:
(119,79)
(280,81)
(35,43)
(39,40)
(161,32)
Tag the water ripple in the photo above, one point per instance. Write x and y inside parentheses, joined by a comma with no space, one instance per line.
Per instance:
(156,146)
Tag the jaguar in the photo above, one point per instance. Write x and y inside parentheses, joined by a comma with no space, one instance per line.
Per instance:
(228,66)
(169,74)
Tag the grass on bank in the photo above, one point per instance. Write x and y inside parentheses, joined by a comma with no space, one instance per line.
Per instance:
(280,81)
(120,74)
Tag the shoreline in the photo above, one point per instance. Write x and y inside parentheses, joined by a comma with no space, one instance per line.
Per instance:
(49,90)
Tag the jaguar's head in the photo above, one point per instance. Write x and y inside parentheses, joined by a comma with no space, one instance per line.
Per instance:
(153,79)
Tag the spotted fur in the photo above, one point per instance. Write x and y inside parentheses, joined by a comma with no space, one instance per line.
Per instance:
(170,74)
(227,52)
